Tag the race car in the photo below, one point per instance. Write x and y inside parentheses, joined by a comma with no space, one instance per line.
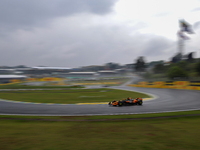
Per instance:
(126,102)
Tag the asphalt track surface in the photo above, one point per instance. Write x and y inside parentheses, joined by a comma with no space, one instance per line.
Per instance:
(166,100)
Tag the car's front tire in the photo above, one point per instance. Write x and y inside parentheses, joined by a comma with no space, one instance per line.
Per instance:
(139,102)
(120,103)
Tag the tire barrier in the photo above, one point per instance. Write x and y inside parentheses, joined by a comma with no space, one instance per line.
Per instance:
(58,81)
(15,81)
(189,85)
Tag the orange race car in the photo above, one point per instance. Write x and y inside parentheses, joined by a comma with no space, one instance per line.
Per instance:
(125,102)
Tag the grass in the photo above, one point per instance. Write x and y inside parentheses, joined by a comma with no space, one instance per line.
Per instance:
(109,82)
(178,133)
(174,131)
(69,96)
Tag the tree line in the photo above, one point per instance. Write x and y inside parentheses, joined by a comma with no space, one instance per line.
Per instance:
(183,69)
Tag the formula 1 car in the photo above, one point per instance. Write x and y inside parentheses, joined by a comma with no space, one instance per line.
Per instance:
(126,102)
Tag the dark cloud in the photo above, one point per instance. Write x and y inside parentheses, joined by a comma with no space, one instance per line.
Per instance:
(16,13)
(64,33)
(72,47)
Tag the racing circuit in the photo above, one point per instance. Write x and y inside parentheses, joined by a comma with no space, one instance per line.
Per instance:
(165,100)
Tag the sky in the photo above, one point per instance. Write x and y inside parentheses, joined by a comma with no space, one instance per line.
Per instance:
(76,33)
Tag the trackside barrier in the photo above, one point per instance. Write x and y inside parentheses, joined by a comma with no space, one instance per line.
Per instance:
(43,79)
(190,85)
(60,81)
(14,81)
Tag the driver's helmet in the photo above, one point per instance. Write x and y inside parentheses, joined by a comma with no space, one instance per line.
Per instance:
(128,98)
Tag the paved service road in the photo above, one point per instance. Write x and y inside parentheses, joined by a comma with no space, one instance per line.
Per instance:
(167,100)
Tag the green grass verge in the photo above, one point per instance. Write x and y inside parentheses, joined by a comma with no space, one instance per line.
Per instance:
(70,96)
(107,117)
(178,133)
(103,82)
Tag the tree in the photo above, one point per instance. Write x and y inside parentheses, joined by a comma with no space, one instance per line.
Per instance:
(140,64)
(159,68)
(177,72)
(112,66)
(197,68)
(190,57)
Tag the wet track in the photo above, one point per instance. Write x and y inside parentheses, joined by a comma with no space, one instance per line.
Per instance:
(167,100)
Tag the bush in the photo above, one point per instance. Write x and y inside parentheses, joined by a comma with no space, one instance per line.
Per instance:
(197,68)
(177,72)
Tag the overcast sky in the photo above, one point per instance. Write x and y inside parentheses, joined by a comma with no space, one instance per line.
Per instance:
(74,33)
